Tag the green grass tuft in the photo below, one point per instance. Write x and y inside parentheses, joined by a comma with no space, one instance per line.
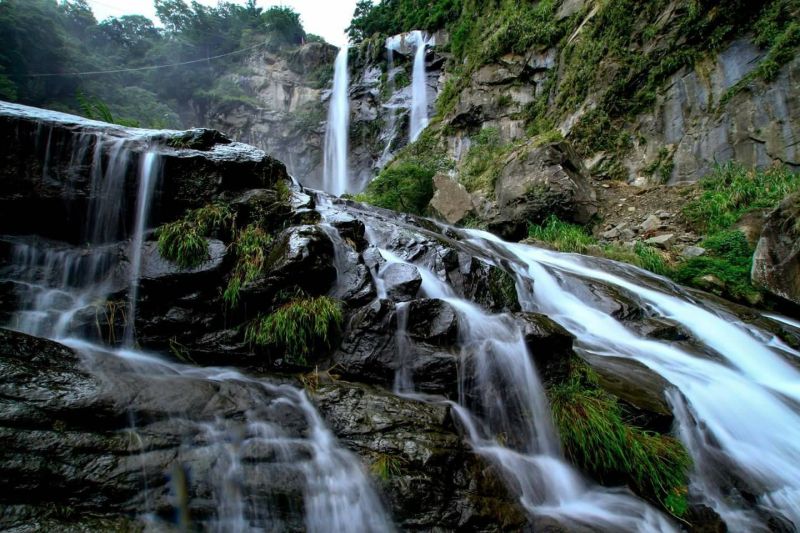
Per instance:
(251,246)
(732,190)
(386,466)
(299,328)
(729,259)
(562,236)
(184,241)
(597,439)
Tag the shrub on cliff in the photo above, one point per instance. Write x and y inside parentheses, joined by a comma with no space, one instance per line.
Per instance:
(598,440)
(298,329)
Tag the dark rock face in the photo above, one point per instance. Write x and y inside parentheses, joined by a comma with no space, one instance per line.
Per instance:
(431,478)
(402,281)
(776,263)
(47,159)
(543,181)
(108,443)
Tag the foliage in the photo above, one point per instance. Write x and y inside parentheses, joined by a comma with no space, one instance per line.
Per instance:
(299,328)
(480,170)
(597,438)
(184,240)
(562,236)
(50,37)
(571,238)
(390,17)
(728,258)
(386,466)
(95,109)
(407,183)
(732,190)
(250,248)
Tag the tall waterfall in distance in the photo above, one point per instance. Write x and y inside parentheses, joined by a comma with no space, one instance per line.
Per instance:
(334,176)
(419,89)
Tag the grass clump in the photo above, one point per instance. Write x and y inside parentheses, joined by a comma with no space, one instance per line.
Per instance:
(732,190)
(184,241)
(250,248)
(562,236)
(571,238)
(299,328)
(480,170)
(597,439)
(724,269)
(386,466)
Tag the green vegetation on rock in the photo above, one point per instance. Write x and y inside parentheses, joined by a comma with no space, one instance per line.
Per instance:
(597,438)
(299,329)
(184,240)
(250,247)
(732,190)
(406,185)
(571,238)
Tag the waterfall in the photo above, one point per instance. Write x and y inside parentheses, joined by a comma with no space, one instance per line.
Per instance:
(736,405)
(335,178)
(735,388)
(62,289)
(419,88)
(148,175)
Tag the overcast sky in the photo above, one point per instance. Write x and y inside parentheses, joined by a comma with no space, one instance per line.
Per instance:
(327,18)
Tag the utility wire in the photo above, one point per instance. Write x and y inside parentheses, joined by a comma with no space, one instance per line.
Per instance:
(152,67)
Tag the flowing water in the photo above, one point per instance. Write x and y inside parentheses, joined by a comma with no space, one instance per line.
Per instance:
(335,178)
(735,394)
(61,287)
(419,87)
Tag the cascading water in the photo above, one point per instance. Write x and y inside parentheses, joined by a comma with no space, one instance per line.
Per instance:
(61,287)
(736,392)
(335,179)
(740,418)
(148,175)
(419,88)
(498,385)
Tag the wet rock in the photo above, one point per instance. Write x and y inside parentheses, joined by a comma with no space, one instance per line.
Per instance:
(450,201)
(47,158)
(301,256)
(433,321)
(776,263)
(159,272)
(637,385)
(537,182)
(68,441)
(402,281)
(434,482)
(368,350)
(550,345)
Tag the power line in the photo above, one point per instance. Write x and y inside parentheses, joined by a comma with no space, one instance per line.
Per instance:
(135,69)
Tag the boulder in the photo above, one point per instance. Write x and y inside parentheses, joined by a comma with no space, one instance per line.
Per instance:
(402,281)
(49,162)
(661,241)
(450,201)
(539,181)
(776,263)
(301,256)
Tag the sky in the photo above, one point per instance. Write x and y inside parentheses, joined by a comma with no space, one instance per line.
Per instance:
(327,18)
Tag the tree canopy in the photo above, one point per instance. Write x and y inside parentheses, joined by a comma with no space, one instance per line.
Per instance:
(43,43)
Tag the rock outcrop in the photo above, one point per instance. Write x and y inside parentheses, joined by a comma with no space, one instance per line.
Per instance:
(776,263)
(537,182)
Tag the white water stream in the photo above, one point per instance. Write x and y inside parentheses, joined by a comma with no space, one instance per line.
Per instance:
(335,177)
(61,287)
